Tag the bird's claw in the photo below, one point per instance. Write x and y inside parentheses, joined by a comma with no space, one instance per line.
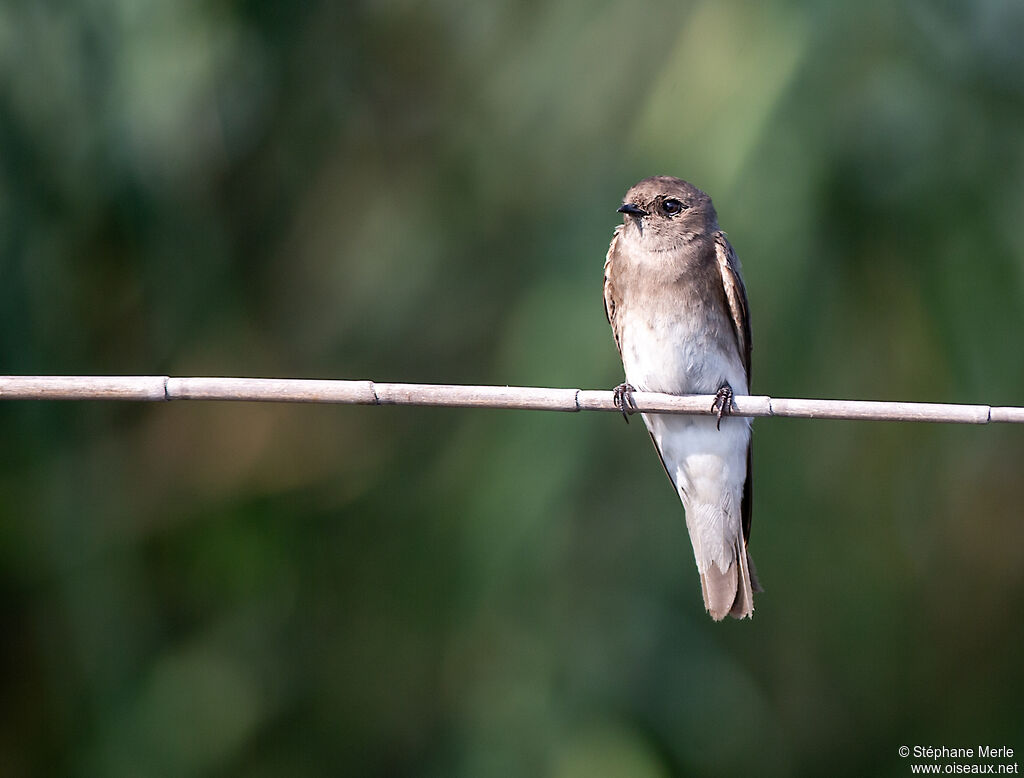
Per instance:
(622,396)
(723,403)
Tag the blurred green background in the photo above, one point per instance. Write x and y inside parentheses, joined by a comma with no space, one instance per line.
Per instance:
(424,192)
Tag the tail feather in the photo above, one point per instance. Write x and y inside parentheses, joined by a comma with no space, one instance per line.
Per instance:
(755,584)
(731,592)
(719,590)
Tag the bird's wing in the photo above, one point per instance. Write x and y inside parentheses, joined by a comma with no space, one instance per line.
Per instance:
(735,297)
(739,313)
(611,296)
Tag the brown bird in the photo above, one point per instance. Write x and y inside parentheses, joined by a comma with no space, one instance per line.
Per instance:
(678,310)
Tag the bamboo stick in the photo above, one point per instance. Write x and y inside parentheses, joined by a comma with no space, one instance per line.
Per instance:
(165,388)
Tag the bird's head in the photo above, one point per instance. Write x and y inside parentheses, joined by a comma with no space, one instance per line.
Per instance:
(662,213)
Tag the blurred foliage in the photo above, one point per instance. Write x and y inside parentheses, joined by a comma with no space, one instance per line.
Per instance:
(424,192)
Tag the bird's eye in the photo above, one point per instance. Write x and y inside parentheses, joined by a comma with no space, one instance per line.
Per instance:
(671,206)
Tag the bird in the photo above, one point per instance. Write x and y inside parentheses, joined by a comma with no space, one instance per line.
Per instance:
(677,306)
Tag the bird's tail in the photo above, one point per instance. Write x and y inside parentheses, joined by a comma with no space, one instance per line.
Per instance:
(731,592)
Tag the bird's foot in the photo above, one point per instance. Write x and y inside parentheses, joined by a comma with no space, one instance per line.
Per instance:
(723,403)
(622,396)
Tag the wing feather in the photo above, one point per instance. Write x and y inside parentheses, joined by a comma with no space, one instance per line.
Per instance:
(611,296)
(735,296)
(611,304)
(739,313)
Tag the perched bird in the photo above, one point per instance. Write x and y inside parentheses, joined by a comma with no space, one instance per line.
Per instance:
(678,310)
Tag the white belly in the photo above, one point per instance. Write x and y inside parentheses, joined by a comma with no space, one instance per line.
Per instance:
(707,465)
(678,356)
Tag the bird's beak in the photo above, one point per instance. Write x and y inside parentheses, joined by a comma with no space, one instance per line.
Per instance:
(633,210)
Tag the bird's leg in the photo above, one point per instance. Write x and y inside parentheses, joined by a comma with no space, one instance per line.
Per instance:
(622,396)
(723,403)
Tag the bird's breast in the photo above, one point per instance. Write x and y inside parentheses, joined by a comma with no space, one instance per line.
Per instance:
(678,351)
